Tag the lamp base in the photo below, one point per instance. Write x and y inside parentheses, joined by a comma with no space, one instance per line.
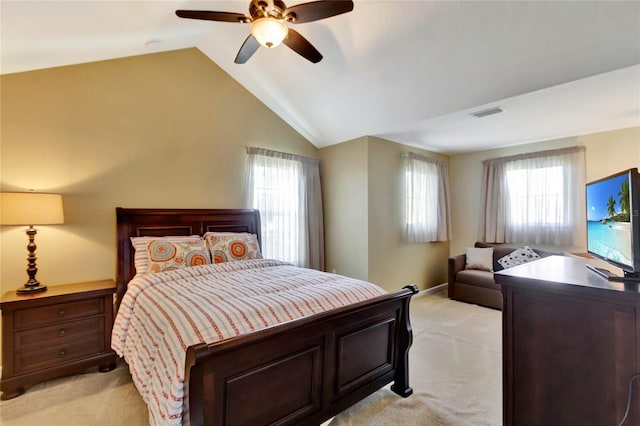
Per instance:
(32,285)
(31,289)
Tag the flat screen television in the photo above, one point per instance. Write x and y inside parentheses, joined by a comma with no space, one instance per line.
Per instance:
(613,223)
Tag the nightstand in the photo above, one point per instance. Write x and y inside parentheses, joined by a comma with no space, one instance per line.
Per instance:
(62,331)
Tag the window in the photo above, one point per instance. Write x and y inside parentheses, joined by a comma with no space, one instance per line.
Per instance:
(275,195)
(285,189)
(426,199)
(534,198)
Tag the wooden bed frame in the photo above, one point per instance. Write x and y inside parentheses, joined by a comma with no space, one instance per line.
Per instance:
(302,371)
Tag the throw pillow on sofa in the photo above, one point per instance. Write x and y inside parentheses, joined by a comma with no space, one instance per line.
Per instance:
(479,258)
(519,256)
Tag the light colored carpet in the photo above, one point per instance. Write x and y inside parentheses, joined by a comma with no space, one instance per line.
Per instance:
(455,371)
(89,399)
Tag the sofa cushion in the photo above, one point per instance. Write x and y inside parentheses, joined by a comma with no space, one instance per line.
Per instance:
(478,278)
(518,256)
(501,250)
(479,258)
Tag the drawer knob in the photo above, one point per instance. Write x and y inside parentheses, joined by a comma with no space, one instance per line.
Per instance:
(62,332)
(62,353)
(61,312)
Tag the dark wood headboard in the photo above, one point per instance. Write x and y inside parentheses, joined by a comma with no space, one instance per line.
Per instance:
(164,222)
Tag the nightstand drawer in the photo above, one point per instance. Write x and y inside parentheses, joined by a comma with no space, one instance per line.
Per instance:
(59,354)
(59,334)
(33,317)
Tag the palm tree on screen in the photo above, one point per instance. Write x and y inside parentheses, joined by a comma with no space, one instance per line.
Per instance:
(624,196)
(611,206)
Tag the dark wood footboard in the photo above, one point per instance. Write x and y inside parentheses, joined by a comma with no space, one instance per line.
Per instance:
(303,371)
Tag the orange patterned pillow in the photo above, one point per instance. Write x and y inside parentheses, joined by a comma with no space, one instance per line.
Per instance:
(230,246)
(165,255)
(141,255)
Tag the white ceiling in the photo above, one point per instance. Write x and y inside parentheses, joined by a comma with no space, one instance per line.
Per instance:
(407,71)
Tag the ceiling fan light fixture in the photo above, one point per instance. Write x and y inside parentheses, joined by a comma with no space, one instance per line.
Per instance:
(269,31)
(269,20)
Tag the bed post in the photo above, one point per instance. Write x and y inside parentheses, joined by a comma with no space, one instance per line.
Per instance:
(401,380)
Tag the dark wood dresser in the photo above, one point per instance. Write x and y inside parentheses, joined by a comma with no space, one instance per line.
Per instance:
(571,344)
(62,331)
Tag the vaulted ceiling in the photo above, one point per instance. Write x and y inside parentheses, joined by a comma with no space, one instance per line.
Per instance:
(407,71)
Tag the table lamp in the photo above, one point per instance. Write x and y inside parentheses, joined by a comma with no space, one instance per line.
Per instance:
(31,208)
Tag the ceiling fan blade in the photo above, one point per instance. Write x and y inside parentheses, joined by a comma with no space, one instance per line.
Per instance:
(248,48)
(213,16)
(313,11)
(301,46)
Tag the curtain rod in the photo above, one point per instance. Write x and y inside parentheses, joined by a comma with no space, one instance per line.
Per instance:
(278,154)
(408,154)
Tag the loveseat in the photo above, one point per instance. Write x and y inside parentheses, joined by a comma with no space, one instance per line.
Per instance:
(478,286)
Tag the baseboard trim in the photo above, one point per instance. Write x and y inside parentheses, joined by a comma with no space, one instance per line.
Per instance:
(433,289)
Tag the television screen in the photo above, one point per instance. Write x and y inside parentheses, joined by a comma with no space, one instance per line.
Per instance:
(610,221)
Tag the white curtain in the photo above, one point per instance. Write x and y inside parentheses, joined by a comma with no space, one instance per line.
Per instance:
(285,188)
(534,198)
(427,215)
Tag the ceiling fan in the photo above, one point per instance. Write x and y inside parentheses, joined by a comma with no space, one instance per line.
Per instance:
(268,20)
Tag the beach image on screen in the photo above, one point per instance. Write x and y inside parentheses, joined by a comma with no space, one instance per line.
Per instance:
(608,219)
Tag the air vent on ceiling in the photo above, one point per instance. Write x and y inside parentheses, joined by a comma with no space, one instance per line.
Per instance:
(488,111)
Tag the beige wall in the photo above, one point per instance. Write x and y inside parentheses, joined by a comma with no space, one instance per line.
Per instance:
(392,262)
(344,171)
(161,130)
(362,189)
(607,153)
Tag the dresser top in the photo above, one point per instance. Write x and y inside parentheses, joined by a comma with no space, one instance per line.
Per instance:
(562,271)
(97,287)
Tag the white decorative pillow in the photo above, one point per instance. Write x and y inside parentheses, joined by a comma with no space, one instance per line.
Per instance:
(165,255)
(479,258)
(230,246)
(141,256)
(518,257)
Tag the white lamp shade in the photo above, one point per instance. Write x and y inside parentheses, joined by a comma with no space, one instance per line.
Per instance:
(269,31)
(30,208)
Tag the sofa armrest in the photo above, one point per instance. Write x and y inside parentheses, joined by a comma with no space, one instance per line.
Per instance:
(456,264)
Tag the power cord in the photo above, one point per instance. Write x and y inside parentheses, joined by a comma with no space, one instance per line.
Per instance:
(626,413)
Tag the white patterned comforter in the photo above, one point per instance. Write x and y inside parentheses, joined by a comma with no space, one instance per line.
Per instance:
(162,314)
